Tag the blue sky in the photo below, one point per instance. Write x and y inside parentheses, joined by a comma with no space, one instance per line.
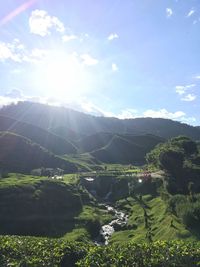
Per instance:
(123,58)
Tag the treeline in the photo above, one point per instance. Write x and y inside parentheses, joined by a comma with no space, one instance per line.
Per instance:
(180,158)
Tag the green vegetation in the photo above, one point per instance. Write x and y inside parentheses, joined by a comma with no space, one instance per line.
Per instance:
(66,194)
(19,154)
(38,135)
(84,162)
(39,252)
(126,149)
(41,206)
(160,253)
(45,252)
(162,223)
(51,117)
(37,206)
(180,158)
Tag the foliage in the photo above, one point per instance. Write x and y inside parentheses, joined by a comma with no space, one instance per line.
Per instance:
(179,157)
(38,252)
(188,209)
(46,117)
(178,148)
(160,253)
(37,206)
(124,149)
(19,154)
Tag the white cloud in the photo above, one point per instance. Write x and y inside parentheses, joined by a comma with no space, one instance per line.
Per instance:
(17,52)
(88,60)
(7,51)
(66,38)
(13,96)
(34,56)
(41,23)
(189,97)
(189,120)
(86,106)
(114,67)
(190,13)
(169,12)
(113,36)
(128,113)
(163,113)
(14,93)
(4,101)
(197,77)
(181,89)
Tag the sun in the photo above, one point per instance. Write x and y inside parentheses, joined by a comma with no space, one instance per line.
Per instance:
(61,75)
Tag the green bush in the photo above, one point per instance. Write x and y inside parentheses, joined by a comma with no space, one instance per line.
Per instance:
(191,215)
(157,254)
(175,202)
(186,209)
(45,252)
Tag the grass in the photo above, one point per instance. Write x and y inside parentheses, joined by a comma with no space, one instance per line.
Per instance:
(18,179)
(90,213)
(159,219)
(83,223)
(70,178)
(78,234)
(84,162)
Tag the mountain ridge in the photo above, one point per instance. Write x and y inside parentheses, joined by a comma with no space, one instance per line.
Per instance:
(20,154)
(41,136)
(50,117)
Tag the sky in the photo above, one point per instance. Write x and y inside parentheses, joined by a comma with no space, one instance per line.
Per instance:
(121,58)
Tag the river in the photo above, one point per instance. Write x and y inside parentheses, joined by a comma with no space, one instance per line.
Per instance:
(107,230)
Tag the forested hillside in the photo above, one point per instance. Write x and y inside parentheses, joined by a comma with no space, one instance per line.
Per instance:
(59,119)
(38,135)
(19,154)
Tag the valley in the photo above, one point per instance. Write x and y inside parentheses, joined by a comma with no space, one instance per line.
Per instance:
(103,188)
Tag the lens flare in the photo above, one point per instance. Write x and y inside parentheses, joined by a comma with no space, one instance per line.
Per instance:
(17,11)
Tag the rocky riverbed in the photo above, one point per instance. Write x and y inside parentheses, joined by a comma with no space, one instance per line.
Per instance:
(119,223)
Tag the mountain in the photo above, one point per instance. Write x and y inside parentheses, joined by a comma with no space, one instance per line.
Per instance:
(19,154)
(99,140)
(94,141)
(66,133)
(65,121)
(46,139)
(127,149)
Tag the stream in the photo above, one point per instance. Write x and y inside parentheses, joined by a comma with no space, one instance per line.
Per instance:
(120,218)
(107,230)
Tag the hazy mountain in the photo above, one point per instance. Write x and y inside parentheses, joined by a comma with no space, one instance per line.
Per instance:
(49,117)
(19,154)
(38,135)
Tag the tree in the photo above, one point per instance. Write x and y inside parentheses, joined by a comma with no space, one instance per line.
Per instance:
(172,161)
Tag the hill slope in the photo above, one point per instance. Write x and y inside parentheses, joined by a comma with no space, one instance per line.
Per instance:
(126,149)
(100,140)
(19,154)
(49,117)
(38,135)
(94,141)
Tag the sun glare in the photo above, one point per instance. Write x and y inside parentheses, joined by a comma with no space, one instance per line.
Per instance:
(61,75)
